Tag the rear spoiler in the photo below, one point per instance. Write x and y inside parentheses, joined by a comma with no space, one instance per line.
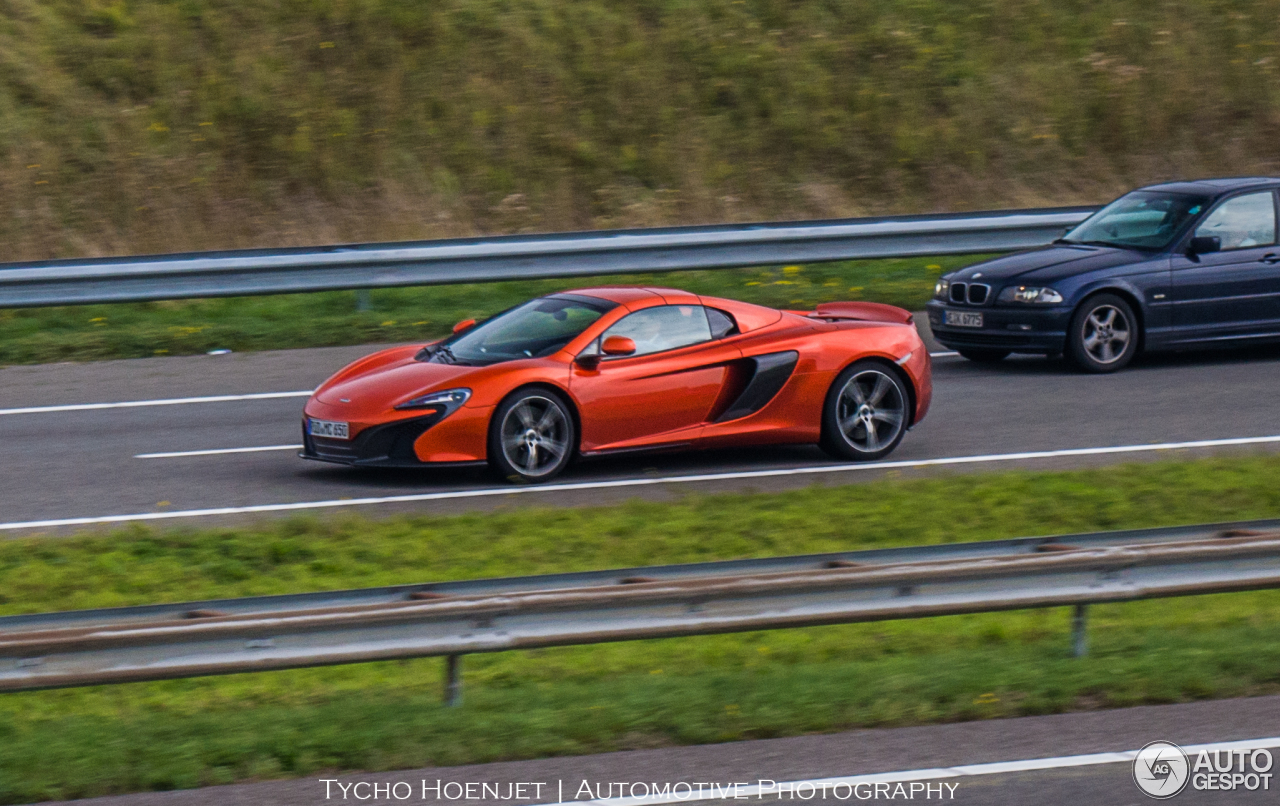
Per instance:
(863,312)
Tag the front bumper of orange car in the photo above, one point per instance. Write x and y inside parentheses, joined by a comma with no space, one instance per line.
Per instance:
(416,439)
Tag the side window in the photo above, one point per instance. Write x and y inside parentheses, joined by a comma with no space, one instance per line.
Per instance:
(665,327)
(722,324)
(1242,222)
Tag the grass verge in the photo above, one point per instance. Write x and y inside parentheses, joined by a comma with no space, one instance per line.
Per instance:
(42,335)
(96,741)
(141,125)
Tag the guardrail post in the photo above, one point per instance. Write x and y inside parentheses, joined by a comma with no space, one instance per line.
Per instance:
(1079,634)
(364,300)
(453,681)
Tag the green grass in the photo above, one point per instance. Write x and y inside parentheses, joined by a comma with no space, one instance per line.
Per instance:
(145,125)
(39,335)
(381,716)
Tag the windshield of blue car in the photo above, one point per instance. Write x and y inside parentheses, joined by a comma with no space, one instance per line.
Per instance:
(1143,219)
(537,328)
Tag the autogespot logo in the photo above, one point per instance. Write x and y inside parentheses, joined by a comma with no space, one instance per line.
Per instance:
(1161,770)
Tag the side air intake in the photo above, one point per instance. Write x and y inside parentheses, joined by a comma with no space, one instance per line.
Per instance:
(770,373)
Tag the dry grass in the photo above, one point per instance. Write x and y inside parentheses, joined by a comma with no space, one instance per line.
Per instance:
(133,126)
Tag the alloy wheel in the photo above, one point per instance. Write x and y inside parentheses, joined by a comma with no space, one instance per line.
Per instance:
(871,411)
(535,435)
(1106,334)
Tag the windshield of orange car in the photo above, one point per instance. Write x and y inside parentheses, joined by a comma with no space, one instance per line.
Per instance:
(535,329)
(1143,219)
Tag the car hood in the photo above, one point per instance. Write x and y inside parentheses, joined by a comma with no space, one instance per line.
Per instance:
(1048,264)
(383,384)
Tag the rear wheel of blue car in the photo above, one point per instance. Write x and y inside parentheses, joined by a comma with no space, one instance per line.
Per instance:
(866,413)
(531,436)
(1104,334)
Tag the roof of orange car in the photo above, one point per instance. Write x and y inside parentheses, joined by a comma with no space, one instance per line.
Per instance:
(749,317)
(623,294)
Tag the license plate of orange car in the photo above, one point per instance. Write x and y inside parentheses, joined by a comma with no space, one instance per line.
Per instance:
(330,429)
(964,319)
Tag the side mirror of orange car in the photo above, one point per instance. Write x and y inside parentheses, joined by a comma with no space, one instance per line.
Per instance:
(465,324)
(618,345)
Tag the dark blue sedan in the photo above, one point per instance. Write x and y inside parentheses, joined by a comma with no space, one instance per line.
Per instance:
(1169,266)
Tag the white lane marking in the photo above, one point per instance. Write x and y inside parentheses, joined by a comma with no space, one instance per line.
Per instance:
(759,790)
(646,482)
(182,401)
(217,452)
(133,404)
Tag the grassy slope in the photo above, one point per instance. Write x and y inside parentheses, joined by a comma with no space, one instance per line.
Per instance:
(133,126)
(145,125)
(40,335)
(387,716)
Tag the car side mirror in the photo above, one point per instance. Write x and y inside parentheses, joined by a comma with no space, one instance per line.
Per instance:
(618,345)
(1204,244)
(465,324)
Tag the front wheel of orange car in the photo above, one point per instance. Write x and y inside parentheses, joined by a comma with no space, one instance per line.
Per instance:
(866,412)
(531,436)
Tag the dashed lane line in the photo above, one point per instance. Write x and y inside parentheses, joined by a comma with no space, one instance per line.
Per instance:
(637,482)
(134,404)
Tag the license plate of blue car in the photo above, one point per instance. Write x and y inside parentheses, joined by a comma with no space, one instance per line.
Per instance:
(963,319)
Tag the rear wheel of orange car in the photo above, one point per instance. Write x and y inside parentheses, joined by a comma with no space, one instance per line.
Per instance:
(531,436)
(867,412)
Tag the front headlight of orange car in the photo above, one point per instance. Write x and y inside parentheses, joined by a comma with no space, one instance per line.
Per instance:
(448,401)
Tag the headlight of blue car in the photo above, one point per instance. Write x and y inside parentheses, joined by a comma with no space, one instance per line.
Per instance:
(1031,295)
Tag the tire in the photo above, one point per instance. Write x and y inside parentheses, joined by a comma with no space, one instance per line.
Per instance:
(1104,334)
(866,412)
(531,436)
(985,356)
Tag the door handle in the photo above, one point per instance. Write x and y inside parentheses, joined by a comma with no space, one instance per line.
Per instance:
(1270,258)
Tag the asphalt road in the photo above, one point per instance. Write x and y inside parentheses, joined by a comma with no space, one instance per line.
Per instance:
(57,466)
(1042,745)
(81,463)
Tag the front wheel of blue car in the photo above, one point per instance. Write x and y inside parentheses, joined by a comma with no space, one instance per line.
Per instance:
(1104,334)
(867,412)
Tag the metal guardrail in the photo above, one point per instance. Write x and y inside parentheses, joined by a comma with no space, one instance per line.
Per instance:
(454,619)
(146,614)
(521,257)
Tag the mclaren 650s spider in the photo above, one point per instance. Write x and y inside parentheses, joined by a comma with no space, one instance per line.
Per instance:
(605,370)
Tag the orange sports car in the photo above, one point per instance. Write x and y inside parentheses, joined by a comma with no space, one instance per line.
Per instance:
(605,370)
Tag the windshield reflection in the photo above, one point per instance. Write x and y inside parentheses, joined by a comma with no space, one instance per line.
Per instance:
(1143,219)
(535,329)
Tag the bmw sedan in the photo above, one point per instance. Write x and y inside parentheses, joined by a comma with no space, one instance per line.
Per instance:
(1183,264)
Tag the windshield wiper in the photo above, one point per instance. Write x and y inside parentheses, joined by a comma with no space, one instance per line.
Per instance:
(441,354)
(444,355)
(1112,244)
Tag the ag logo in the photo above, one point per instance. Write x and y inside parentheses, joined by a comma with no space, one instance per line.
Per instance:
(1161,770)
